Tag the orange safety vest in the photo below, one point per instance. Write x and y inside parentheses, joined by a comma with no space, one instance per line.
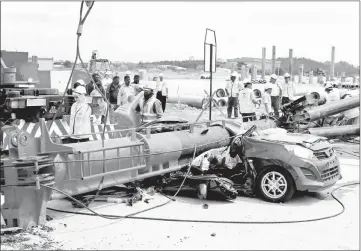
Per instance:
(146,110)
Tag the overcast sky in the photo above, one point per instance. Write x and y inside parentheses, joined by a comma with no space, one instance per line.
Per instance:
(134,31)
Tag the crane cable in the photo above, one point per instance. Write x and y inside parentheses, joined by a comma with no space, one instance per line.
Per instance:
(78,56)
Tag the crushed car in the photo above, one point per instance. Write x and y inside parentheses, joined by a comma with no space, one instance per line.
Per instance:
(271,164)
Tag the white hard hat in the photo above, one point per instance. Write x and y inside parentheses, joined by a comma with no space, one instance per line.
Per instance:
(287,75)
(80,90)
(267,86)
(274,76)
(328,86)
(234,74)
(81,82)
(161,75)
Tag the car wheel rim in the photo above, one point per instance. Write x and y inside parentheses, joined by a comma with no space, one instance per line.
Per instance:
(274,185)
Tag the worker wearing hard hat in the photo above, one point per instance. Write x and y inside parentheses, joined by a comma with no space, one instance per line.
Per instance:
(79,82)
(332,94)
(266,99)
(126,92)
(162,91)
(100,105)
(276,94)
(289,89)
(80,117)
(150,108)
(233,88)
(247,103)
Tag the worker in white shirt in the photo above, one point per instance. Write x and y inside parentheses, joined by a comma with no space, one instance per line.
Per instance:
(150,108)
(247,103)
(288,89)
(332,94)
(162,91)
(276,94)
(266,99)
(80,117)
(101,109)
(232,90)
(126,92)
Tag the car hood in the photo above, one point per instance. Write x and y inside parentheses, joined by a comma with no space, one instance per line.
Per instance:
(309,141)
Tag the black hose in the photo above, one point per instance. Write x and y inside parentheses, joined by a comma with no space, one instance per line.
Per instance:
(131,216)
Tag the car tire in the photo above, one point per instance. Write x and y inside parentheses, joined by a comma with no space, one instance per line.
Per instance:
(275,184)
(202,191)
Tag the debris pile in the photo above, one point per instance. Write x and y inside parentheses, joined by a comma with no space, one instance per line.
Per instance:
(128,194)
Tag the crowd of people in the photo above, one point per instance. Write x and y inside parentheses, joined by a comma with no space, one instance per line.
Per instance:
(241,98)
(112,96)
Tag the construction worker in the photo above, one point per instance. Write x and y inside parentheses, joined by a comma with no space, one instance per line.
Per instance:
(79,82)
(107,80)
(332,94)
(80,117)
(289,89)
(276,94)
(112,92)
(135,84)
(101,108)
(267,99)
(126,92)
(90,86)
(150,108)
(232,90)
(247,102)
(162,91)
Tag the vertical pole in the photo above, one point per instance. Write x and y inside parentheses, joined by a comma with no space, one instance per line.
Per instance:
(253,72)
(263,62)
(290,64)
(300,75)
(310,80)
(243,72)
(247,71)
(332,65)
(210,86)
(273,60)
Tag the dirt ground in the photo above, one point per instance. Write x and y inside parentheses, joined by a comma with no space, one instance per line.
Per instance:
(67,231)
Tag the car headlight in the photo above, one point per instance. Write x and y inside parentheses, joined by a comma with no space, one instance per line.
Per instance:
(301,152)
(14,140)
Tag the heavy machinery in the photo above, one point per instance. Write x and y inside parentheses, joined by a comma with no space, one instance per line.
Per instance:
(19,96)
(303,112)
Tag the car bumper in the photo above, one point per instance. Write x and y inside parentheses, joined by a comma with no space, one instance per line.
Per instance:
(315,176)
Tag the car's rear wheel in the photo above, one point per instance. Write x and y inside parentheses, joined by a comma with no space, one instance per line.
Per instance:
(275,185)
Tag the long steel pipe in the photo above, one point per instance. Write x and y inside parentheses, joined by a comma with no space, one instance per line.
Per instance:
(335,130)
(317,112)
(81,172)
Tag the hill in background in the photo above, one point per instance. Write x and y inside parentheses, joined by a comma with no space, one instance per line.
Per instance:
(309,64)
